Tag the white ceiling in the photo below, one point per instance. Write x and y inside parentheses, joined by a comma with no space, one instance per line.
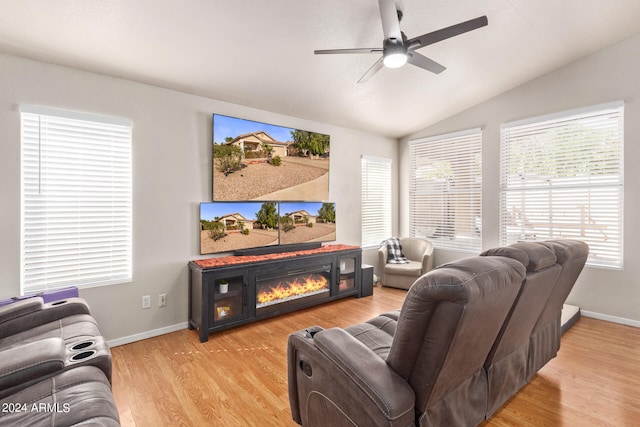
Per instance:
(260,53)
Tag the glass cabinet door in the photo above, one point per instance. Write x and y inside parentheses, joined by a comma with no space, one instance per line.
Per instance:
(228,298)
(346,274)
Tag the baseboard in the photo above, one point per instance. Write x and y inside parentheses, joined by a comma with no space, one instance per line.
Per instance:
(614,319)
(173,328)
(148,334)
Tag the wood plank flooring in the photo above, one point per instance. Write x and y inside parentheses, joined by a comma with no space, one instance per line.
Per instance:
(239,377)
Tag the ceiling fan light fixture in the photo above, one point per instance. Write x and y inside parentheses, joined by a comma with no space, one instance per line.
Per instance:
(395,54)
(395,59)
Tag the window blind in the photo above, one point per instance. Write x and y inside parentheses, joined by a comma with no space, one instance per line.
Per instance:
(562,177)
(445,204)
(76,200)
(376,200)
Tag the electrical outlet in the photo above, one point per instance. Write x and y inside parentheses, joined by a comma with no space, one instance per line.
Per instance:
(162,300)
(146,301)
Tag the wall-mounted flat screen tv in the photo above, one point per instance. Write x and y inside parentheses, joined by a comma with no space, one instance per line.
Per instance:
(231,226)
(228,226)
(259,161)
(302,222)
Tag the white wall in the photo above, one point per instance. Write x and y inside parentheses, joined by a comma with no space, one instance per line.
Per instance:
(611,74)
(171,176)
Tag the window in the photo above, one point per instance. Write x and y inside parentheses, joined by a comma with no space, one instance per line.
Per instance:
(561,177)
(76,200)
(445,194)
(376,200)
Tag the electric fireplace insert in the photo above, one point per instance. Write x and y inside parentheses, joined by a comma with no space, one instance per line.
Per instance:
(294,287)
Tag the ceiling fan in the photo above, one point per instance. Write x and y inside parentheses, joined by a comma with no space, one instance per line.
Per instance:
(397,49)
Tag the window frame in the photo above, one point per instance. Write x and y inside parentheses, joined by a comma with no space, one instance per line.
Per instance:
(595,177)
(76,199)
(463,190)
(375,217)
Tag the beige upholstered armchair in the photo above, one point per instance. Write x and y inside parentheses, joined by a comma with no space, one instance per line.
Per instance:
(419,253)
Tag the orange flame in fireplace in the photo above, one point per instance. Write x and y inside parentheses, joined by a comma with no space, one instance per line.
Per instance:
(310,284)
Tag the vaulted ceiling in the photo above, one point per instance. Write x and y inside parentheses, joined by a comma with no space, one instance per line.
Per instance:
(260,53)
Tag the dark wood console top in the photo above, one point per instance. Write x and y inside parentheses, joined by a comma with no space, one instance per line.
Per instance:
(245,259)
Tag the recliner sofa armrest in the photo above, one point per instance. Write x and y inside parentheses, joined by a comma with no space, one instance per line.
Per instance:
(47,313)
(26,363)
(349,377)
(20,308)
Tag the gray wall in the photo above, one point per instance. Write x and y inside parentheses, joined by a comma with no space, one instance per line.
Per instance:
(171,176)
(611,74)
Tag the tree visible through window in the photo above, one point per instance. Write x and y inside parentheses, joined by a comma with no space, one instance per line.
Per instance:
(561,177)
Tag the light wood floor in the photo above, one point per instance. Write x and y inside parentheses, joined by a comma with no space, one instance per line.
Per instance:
(239,377)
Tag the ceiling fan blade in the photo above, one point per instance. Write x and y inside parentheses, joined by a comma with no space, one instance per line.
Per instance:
(425,63)
(390,21)
(356,50)
(445,33)
(371,71)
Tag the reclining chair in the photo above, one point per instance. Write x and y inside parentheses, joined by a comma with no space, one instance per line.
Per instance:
(55,367)
(421,366)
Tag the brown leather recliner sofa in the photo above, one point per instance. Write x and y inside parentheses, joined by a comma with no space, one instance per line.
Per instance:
(462,344)
(55,367)
(530,336)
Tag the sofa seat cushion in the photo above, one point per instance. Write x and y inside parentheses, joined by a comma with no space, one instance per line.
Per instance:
(79,396)
(412,268)
(376,334)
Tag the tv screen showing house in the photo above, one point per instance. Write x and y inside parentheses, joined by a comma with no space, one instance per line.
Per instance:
(302,222)
(259,161)
(227,226)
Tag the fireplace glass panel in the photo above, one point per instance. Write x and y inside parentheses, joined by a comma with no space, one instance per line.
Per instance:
(292,287)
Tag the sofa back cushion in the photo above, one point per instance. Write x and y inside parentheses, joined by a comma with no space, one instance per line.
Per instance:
(572,256)
(541,277)
(448,323)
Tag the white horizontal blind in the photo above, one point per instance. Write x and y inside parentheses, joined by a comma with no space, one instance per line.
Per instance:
(376,200)
(76,200)
(562,177)
(445,192)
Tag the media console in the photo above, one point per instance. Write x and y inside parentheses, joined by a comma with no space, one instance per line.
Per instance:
(234,290)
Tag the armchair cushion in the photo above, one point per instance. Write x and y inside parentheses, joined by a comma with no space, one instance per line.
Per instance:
(411,268)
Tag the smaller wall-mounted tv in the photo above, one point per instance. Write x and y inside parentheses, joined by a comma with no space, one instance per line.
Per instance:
(231,226)
(302,222)
(228,226)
